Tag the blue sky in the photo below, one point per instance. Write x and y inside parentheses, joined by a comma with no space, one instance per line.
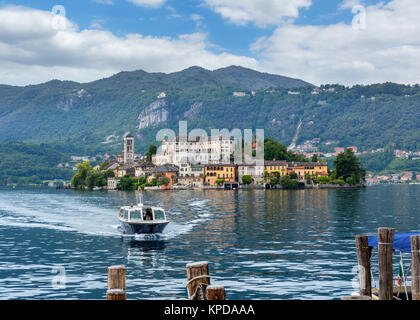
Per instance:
(310,39)
(175,17)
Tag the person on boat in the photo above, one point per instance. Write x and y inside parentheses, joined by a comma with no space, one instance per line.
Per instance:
(148,215)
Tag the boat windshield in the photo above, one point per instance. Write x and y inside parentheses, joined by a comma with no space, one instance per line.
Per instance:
(159,214)
(125,214)
(135,215)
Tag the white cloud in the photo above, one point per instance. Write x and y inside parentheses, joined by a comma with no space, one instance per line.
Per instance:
(148,3)
(387,50)
(95,25)
(349,4)
(260,12)
(199,20)
(196,17)
(108,2)
(35,47)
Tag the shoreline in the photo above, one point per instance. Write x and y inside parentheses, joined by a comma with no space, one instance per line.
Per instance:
(241,187)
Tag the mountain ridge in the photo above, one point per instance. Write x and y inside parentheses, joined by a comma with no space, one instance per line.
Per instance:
(271,80)
(98,113)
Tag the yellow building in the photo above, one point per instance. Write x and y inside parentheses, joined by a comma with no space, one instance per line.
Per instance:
(273,167)
(283,168)
(215,172)
(313,169)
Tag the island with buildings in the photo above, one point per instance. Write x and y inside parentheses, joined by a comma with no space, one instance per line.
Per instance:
(193,162)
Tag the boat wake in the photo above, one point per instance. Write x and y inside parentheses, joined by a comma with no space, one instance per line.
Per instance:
(182,222)
(93,215)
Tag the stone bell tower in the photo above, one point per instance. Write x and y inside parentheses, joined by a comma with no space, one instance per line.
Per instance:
(128,149)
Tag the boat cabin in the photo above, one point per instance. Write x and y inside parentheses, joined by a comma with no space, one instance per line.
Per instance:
(142,214)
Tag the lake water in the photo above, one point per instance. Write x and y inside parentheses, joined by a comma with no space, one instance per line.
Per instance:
(260,244)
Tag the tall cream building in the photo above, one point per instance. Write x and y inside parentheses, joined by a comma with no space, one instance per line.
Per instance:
(204,150)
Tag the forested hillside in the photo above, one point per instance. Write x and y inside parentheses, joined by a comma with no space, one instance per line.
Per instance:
(102,111)
(91,118)
(31,164)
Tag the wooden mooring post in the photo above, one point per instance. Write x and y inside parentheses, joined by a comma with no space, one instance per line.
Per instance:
(415,260)
(116,283)
(116,294)
(386,281)
(198,280)
(215,293)
(356,298)
(363,257)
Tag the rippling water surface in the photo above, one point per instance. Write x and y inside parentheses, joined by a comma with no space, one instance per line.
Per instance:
(260,244)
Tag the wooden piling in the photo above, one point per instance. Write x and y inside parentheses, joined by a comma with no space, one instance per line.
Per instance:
(116,283)
(215,293)
(415,260)
(363,258)
(386,281)
(198,280)
(116,294)
(116,277)
(354,298)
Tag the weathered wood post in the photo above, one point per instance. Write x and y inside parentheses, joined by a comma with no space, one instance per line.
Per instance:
(415,260)
(385,245)
(116,294)
(116,283)
(363,258)
(356,298)
(215,293)
(198,280)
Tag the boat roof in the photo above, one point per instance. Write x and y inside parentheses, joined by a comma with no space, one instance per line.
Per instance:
(142,206)
(401,241)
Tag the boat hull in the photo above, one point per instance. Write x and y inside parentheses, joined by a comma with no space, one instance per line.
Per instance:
(143,228)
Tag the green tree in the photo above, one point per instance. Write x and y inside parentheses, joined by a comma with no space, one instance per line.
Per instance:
(103,165)
(152,151)
(323,180)
(79,179)
(247,179)
(274,181)
(288,183)
(314,158)
(140,182)
(164,181)
(127,183)
(347,165)
(276,150)
(102,179)
(91,179)
(293,175)
(88,178)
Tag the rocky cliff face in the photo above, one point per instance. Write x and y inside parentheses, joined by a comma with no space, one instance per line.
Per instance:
(72,99)
(193,111)
(154,114)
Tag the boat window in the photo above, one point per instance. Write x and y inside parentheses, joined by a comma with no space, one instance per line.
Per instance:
(135,215)
(148,215)
(125,214)
(159,214)
(121,213)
